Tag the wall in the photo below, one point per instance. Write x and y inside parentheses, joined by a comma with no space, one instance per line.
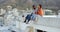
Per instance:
(49,21)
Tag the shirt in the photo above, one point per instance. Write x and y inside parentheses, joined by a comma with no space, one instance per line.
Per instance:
(34,11)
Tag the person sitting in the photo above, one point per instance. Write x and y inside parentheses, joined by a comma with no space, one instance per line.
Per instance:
(40,10)
(33,17)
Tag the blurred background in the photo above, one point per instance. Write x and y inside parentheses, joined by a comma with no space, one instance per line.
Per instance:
(11,12)
(24,4)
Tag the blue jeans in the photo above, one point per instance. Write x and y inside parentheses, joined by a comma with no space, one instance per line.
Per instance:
(28,17)
(33,17)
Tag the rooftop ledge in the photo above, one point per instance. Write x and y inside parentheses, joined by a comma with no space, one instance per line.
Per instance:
(50,16)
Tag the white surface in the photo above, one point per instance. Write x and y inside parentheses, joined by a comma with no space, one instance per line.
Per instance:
(45,28)
(23,26)
(50,16)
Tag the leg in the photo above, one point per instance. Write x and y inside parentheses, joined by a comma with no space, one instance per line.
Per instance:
(27,21)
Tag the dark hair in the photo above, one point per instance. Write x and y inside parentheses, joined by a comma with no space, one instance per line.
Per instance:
(34,7)
(22,15)
(40,5)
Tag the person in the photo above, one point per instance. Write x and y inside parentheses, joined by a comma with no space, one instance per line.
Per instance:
(33,17)
(23,18)
(40,11)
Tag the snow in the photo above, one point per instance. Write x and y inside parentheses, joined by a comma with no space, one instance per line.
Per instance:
(2,11)
(14,21)
(45,28)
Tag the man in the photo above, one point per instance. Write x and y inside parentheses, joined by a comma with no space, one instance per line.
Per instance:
(31,16)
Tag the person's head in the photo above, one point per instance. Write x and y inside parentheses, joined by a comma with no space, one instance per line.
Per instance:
(22,15)
(34,7)
(39,6)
